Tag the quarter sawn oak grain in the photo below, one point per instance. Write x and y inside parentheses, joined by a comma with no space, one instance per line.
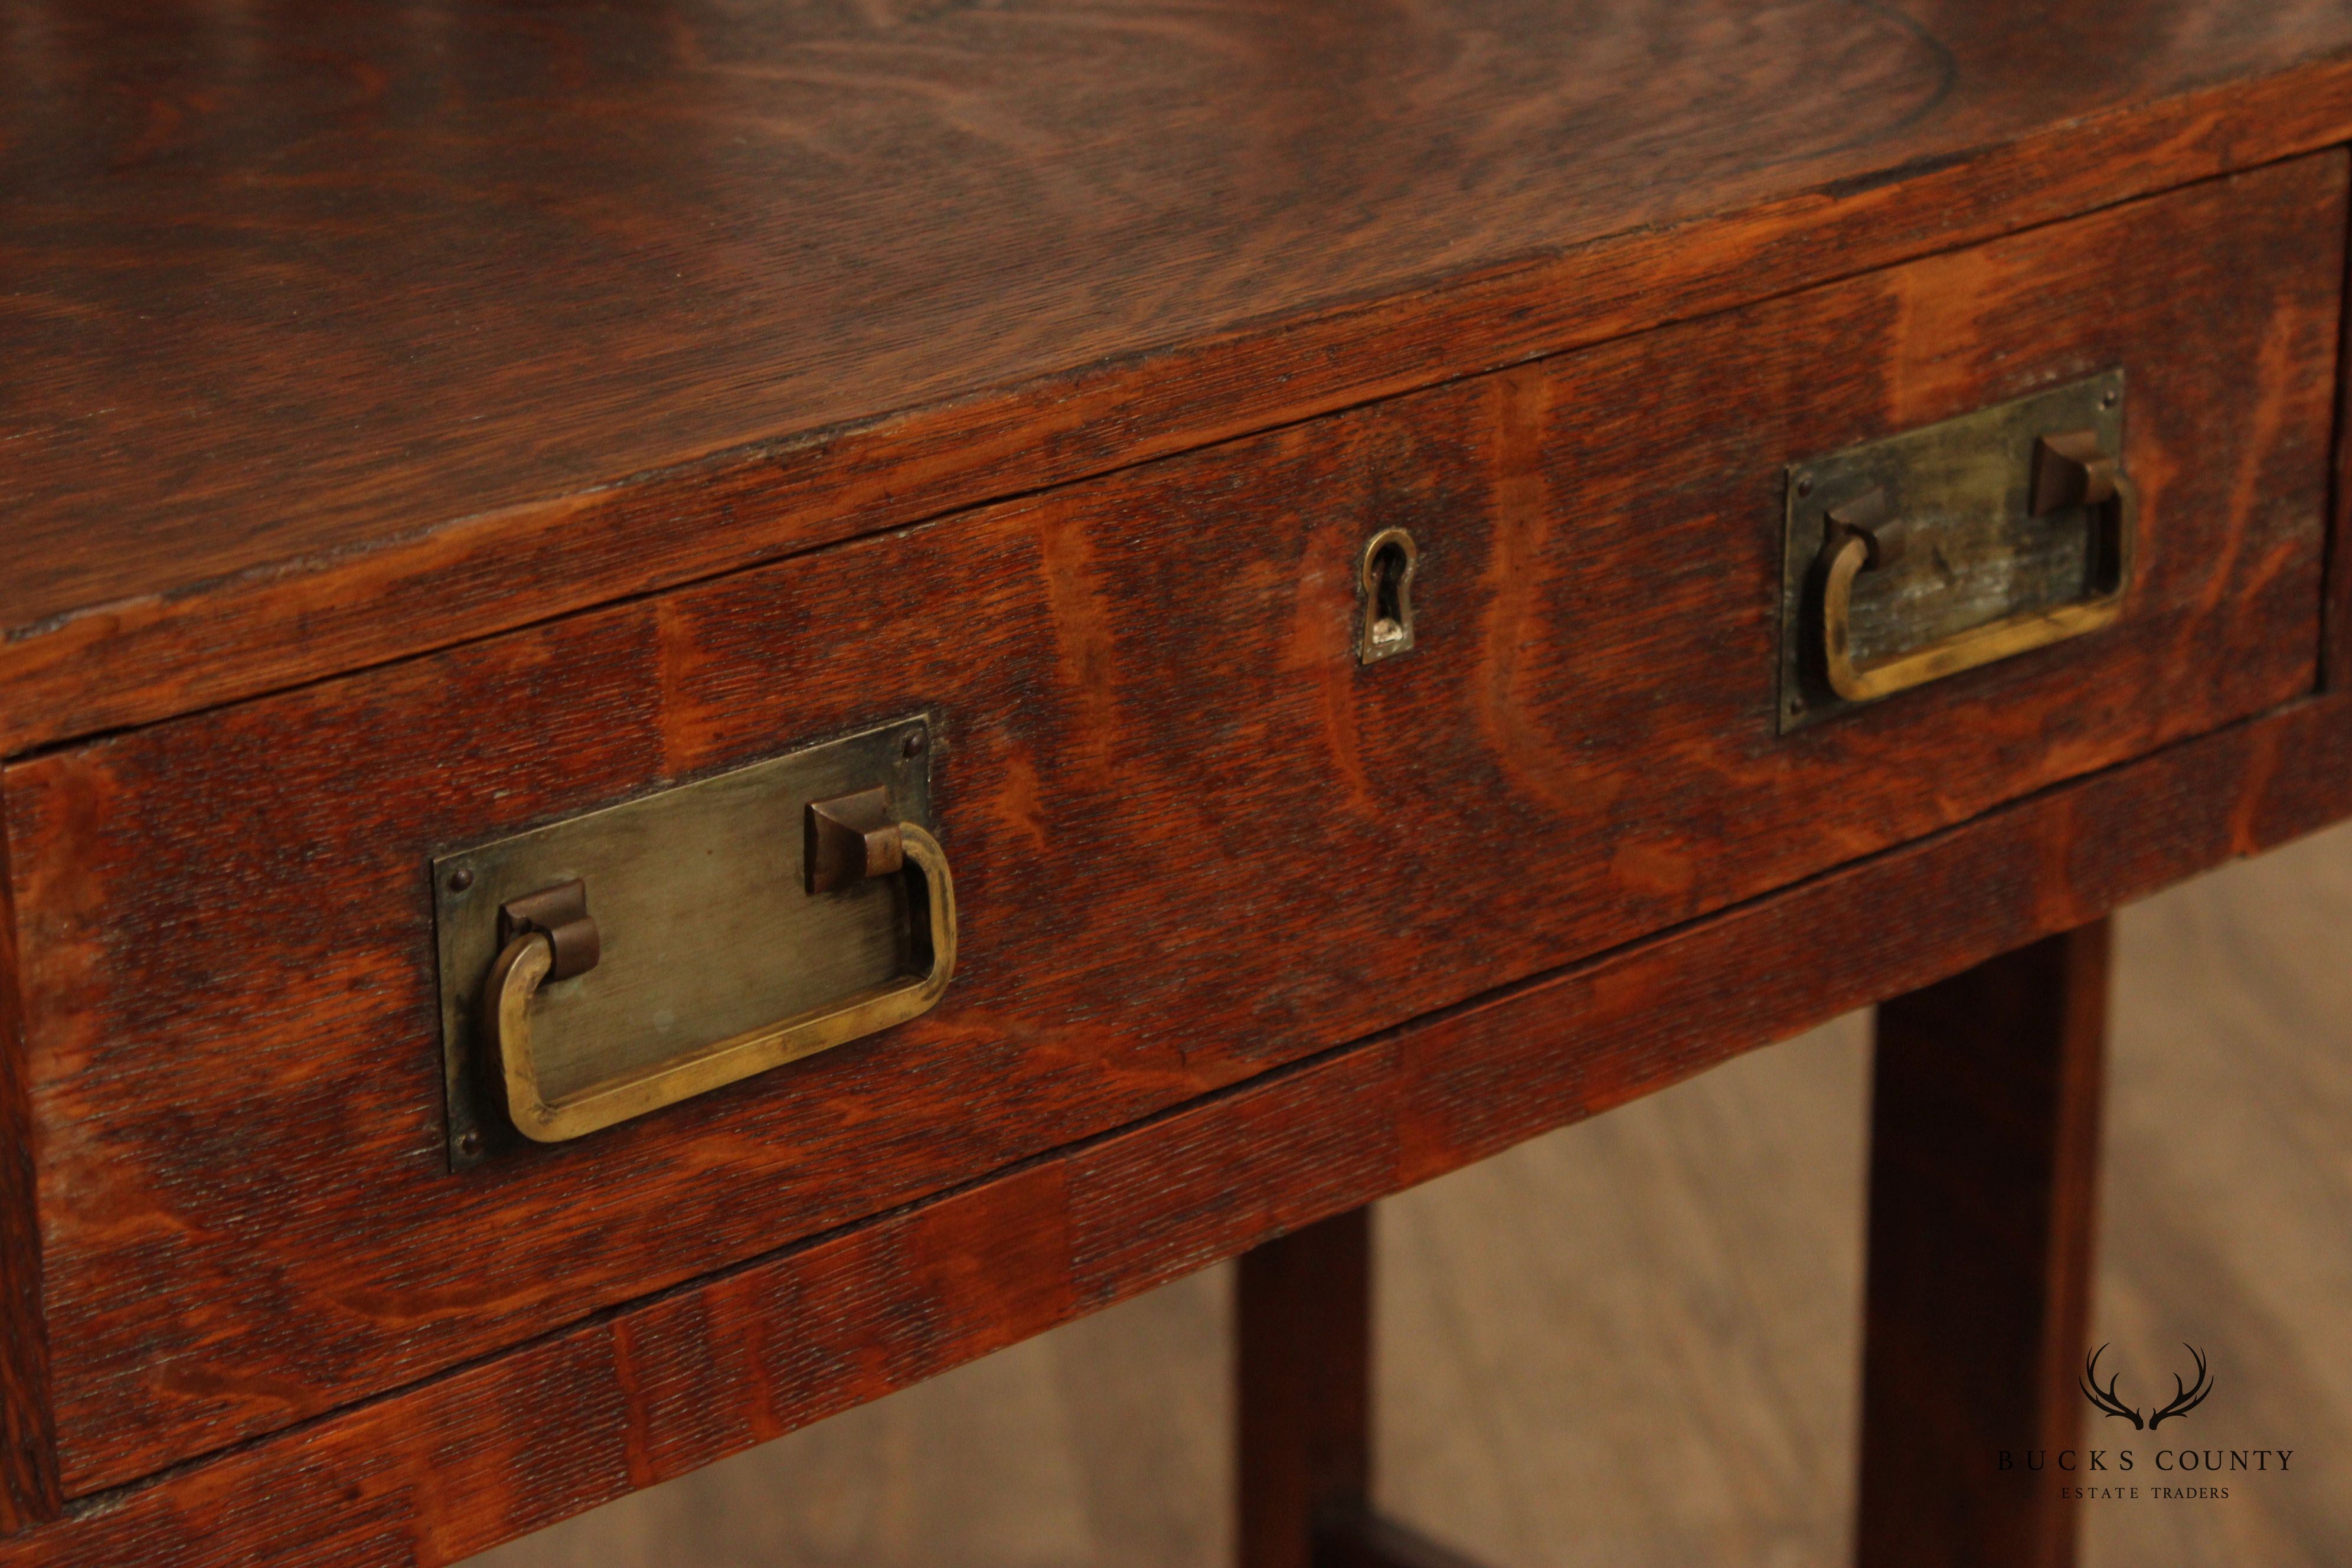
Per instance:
(424,420)
(439,1471)
(1193,838)
(336,334)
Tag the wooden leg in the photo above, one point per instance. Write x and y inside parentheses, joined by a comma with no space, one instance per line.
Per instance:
(1983,1171)
(1303,1333)
(1303,1337)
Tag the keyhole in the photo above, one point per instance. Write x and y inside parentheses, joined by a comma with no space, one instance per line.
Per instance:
(1386,594)
(1388,600)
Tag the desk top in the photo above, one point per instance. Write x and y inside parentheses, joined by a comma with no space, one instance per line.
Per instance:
(315,318)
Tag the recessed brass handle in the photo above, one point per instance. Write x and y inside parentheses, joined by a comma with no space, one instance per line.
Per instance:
(2069,471)
(527,960)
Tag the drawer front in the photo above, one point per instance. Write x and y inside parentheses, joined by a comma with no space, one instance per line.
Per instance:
(1194,832)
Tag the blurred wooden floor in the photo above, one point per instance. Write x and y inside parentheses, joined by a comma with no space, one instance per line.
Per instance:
(1634,1341)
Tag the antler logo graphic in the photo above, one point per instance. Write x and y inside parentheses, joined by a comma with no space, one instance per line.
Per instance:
(2185,1398)
(2105,1398)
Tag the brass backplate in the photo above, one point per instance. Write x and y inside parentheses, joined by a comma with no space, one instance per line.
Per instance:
(707,927)
(1973,552)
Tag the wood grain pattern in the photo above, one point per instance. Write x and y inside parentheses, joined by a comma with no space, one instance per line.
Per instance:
(1634,1341)
(1985,1109)
(1192,840)
(2335,625)
(28,1471)
(352,331)
(446,1467)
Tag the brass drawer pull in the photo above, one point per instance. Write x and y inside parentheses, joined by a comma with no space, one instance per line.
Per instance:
(1857,547)
(1942,549)
(532,955)
(612,962)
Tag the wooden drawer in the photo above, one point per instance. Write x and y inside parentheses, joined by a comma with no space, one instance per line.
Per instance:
(1194,838)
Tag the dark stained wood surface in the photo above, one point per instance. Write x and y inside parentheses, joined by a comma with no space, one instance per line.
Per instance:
(1984,1158)
(457,1462)
(1303,1382)
(2336,612)
(1634,1341)
(29,1469)
(1367,1540)
(1192,839)
(1302,1388)
(332,333)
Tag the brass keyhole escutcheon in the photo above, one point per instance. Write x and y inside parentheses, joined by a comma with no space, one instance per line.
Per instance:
(1384,594)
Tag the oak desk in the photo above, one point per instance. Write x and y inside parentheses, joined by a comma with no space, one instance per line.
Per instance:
(711,706)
